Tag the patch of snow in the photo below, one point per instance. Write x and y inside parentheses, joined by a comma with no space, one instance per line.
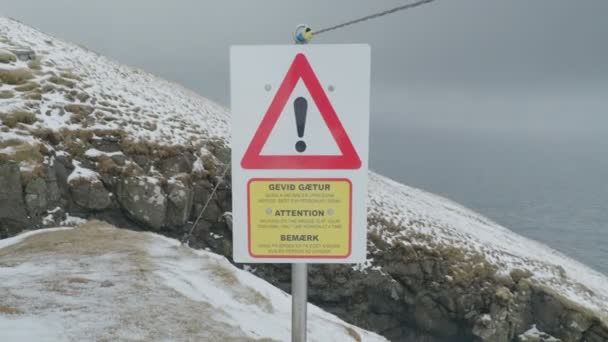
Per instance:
(533,334)
(146,287)
(48,219)
(95,153)
(485,318)
(73,220)
(197,166)
(18,328)
(82,173)
(255,306)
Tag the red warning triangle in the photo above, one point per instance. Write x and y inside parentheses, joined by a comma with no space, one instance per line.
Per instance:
(301,69)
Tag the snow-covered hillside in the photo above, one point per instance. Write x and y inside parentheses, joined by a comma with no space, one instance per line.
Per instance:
(99,283)
(418,241)
(120,97)
(432,220)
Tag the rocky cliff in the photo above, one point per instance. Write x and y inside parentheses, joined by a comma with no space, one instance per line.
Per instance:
(83,136)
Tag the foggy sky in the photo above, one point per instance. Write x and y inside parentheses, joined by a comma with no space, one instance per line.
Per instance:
(533,68)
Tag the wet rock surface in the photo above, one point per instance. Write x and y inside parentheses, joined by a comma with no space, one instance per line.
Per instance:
(13,216)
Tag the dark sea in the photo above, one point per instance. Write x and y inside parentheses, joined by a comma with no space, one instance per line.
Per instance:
(552,189)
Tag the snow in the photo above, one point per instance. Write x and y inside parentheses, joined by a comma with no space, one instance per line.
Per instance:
(72,220)
(95,153)
(82,173)
(142,286)
(197,166)
(20,328)
(533,334)
(257,307)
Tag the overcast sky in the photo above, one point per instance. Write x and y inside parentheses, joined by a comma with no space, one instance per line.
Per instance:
(533,68)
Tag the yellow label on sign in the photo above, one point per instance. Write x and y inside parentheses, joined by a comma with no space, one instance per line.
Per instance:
(308,218)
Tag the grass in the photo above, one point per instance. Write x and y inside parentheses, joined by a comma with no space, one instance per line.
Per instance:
(10,142)
(15,76)
(61,81)
(6,94)
(107,166)
(76,142)
(9,310)
(353,333)
(16,117)
(27,86)
(7,56)
(48,135)
(78,280)
(70,76)
(24,151)
(35,95)
(90,239)
(79,112)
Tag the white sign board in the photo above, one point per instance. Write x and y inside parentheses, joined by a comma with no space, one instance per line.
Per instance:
(300,131)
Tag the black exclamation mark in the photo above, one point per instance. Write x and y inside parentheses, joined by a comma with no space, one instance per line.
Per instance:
(300,105)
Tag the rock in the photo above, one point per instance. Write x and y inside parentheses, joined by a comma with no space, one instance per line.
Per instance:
(431,317)
(52,185)
(36,200)
(62,166)
(547,311)
(142,161)
(106,283)
(90,194)
(143,200)
(202,190)
(13,216)
(119,159)
(503,294)
(517,274)
(181,163)
(485,329)
(179,203)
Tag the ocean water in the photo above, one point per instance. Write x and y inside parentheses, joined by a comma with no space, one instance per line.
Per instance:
(552,189)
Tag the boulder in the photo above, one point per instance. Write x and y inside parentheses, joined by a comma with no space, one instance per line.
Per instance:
(179,203)
(202,191)
(143,200)
(52,185)
(181,163)
(90,194)
(36,200)
(13,216)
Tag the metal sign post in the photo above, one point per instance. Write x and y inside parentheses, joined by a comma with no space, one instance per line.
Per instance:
(299,300)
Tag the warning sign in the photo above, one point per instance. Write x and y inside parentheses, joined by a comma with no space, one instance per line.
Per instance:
(300,70)
(299,218)
(300,131)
